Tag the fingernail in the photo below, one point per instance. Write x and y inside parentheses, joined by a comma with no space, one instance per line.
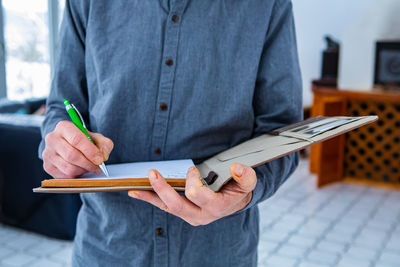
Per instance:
(193,168)
(190,171)
(134,194)
(152,175)
(239,169)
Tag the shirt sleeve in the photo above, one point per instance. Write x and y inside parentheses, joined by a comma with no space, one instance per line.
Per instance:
(278,96)
(69,75)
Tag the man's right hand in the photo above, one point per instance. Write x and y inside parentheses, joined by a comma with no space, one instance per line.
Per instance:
(69,153)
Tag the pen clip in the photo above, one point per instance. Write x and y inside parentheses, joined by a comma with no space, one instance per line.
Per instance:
(80,116)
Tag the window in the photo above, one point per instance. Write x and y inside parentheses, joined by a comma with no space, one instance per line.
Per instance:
(61,6)
(30,29)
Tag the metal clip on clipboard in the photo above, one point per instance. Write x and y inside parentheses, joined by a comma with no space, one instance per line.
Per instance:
(323,125)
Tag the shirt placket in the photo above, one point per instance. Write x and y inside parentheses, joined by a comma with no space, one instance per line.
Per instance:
(163,107)
(167,74)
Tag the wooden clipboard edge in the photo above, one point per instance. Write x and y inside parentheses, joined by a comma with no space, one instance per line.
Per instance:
(70,190)
(77,183)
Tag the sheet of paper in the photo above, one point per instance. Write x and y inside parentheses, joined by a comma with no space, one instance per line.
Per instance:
(168,169)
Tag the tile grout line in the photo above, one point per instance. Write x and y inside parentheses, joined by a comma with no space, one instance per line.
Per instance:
(333,222)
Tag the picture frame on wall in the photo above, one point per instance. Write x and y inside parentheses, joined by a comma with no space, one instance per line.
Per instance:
(387,64)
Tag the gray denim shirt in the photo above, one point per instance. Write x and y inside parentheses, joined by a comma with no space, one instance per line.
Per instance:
(175,79)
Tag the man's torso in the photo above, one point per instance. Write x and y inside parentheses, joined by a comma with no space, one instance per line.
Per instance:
(164,87)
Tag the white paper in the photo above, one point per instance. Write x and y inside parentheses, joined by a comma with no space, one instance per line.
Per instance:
(169,169)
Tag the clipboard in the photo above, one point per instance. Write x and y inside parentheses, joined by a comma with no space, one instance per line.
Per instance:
(254,152)
(277,143)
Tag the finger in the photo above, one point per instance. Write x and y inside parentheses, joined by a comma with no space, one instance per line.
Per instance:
(192,178)
(70,170)
(50,164)
(175,203)
(196,192)
(74,156)
(53,170)
(149,197)
(79,140)
(244,175)
(104,144)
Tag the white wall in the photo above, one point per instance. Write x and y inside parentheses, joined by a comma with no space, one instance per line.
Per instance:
(314,19)
(381,21)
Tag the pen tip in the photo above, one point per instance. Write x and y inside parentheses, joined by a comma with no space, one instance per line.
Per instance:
(104,169)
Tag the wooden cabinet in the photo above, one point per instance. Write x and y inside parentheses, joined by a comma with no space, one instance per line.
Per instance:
(367,155)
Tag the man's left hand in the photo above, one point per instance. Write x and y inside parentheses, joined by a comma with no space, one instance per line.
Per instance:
(201,205)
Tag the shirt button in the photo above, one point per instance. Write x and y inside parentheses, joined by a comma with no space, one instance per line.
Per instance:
(169,62)
(157,151)
(163,106)
(175,18)
(159,231)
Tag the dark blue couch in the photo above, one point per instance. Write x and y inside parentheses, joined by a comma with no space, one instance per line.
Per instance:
(21,170)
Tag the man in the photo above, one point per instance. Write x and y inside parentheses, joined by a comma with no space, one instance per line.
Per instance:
(172,79)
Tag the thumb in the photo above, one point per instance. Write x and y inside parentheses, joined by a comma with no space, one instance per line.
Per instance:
(244,175)
(104,144)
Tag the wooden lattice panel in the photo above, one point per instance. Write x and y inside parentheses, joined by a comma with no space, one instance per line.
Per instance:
(373,152)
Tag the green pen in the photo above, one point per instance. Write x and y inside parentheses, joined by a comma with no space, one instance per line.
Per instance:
(79,122)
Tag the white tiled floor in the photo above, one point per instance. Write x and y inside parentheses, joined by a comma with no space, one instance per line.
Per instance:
(21,248)
(339,225)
